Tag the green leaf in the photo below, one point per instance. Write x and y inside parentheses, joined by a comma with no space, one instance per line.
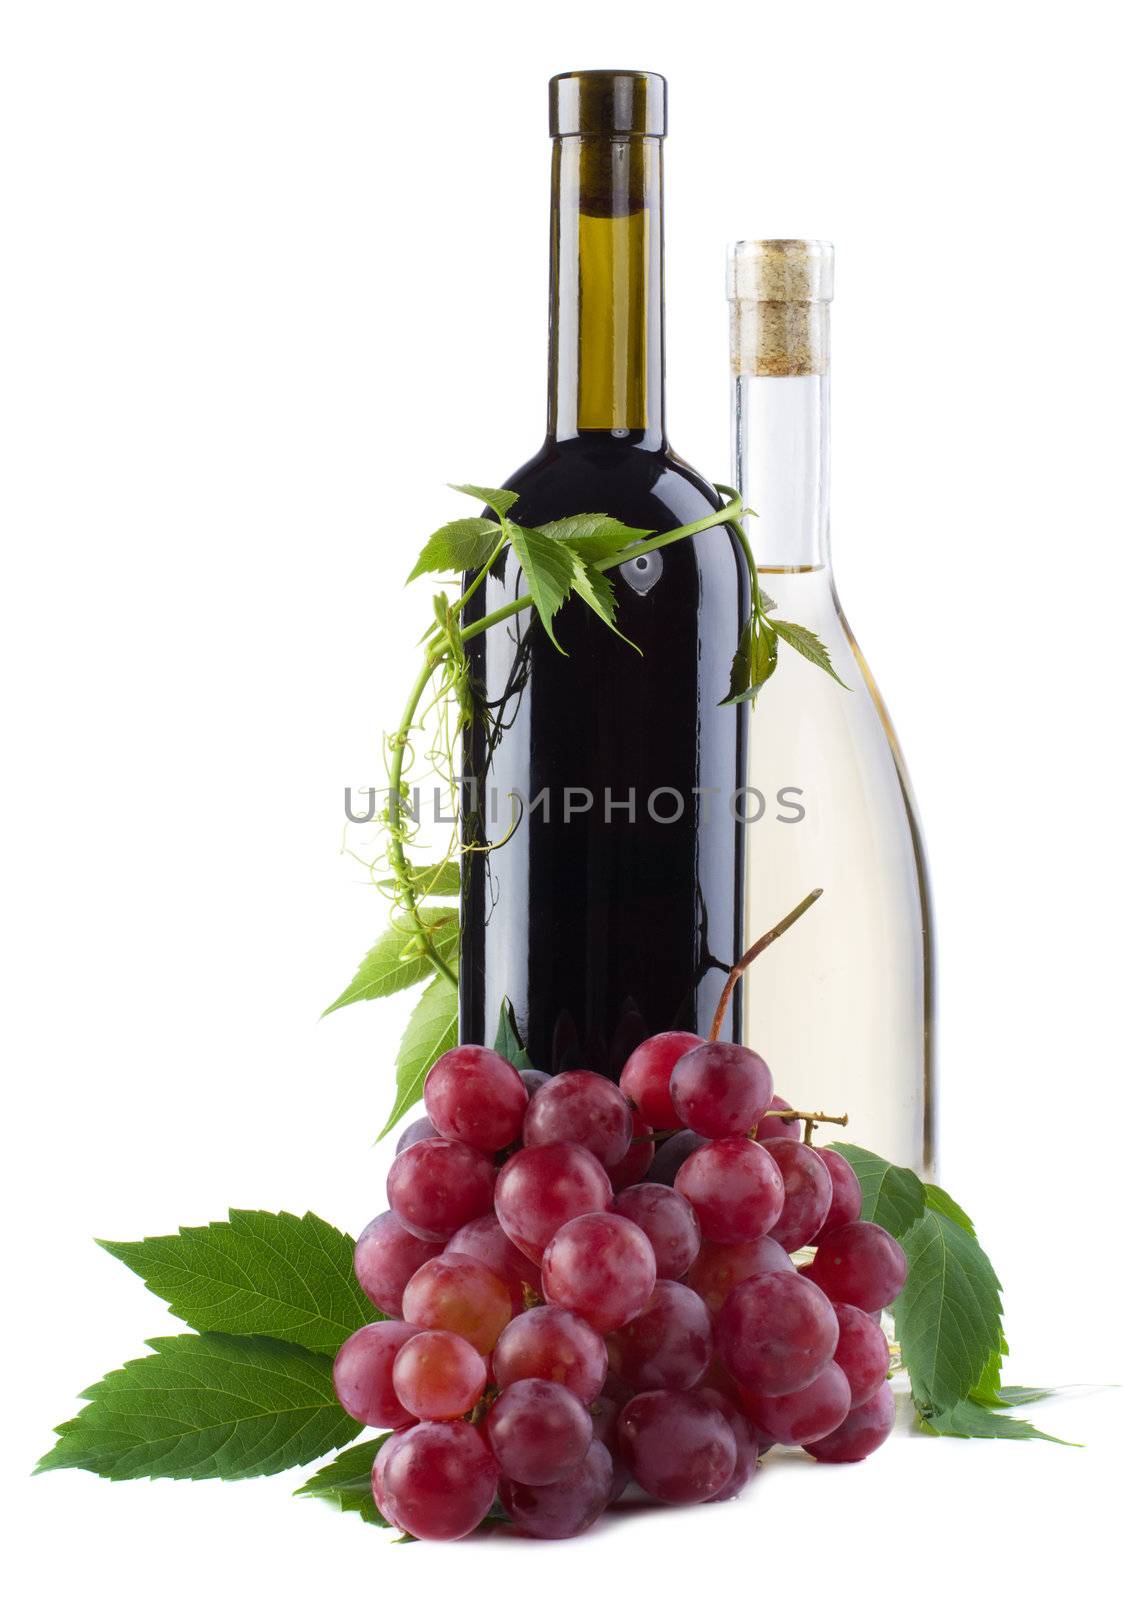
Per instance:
(966,1420)
(347,1481)
(940,1200)
(891,1196)
(206,1406)
(986,1389)
(457,546)
(508,1042)
(599,593)
(262,1272)
(440,881)
(754,663)
(500,500)
(593,534)
(432,1029)
(1018,1394)
(765,603)
(388,968)
(948,1313)
(806,644)
(550,569)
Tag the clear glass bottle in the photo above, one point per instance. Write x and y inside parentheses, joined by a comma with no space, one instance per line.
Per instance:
(843,1006)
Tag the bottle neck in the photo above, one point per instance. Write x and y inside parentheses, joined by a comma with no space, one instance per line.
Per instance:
(605,372)
(781,449)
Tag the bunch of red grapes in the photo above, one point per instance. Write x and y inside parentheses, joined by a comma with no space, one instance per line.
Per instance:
(576,1304)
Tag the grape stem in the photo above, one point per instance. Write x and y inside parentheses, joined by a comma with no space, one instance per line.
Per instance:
(752,954)
(809,1118)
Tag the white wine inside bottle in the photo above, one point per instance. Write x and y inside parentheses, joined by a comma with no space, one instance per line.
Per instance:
(843,1007)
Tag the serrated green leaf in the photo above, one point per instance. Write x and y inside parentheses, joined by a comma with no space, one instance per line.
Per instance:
(940,1200)
(765,603)
(550,569)
(262,1272)
(206,1405)
(386,969)
(806,644)
(948,1313)
(347,1481)
(593,534)
(986,1389)
(500,500)
(891,1196)
(754,663)
(508,1042)
(970,1421)
(458,546)
(1018,1394)
(599,593)
(432,1029)
(440,881)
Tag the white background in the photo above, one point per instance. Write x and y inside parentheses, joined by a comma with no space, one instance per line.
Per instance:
(272,274)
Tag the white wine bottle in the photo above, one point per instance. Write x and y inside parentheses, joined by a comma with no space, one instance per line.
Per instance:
(843,1007)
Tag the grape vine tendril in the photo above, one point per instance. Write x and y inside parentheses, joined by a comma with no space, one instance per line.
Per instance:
(445,654)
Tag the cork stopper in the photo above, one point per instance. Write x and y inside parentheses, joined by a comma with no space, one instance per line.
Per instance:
(779,292)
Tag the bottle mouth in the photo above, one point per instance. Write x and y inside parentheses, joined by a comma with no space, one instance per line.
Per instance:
(780,271)
(607,104)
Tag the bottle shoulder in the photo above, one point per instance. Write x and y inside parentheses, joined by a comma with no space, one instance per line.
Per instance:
(646,488)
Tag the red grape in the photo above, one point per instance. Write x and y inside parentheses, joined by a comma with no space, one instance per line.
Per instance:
(533,1079)
(735,1187)
(776,1127)
(671,1153)
(439,1480)
(808,1192)
(388,1445)
(864,1430)
(847,1199)
(460,1295)
(667,1218)
(601,1267)
(720,1089)
(861,1353)
(475,1095)
(538,1431)
(636,1163)
(385,1259)
(646,1077)
(422,1128)
(363,1374)
(438,1185)
(719,1268)
(667,1346)
(745,1441)
(487,1242)
(548,1342)
(562,1510)
(808,1414)
(540,1189)
(581,1108)
(438,1376)
(776,1333)
(860,1264)
(679,1447)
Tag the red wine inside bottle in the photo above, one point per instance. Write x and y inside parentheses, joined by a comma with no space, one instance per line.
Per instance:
(603,898)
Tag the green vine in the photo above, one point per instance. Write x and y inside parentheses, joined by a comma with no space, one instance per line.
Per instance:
(559,559)
(558,563)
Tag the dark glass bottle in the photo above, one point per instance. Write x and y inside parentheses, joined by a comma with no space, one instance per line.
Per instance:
(610,904)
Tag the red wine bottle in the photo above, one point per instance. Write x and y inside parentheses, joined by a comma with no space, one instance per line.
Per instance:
(602,786)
